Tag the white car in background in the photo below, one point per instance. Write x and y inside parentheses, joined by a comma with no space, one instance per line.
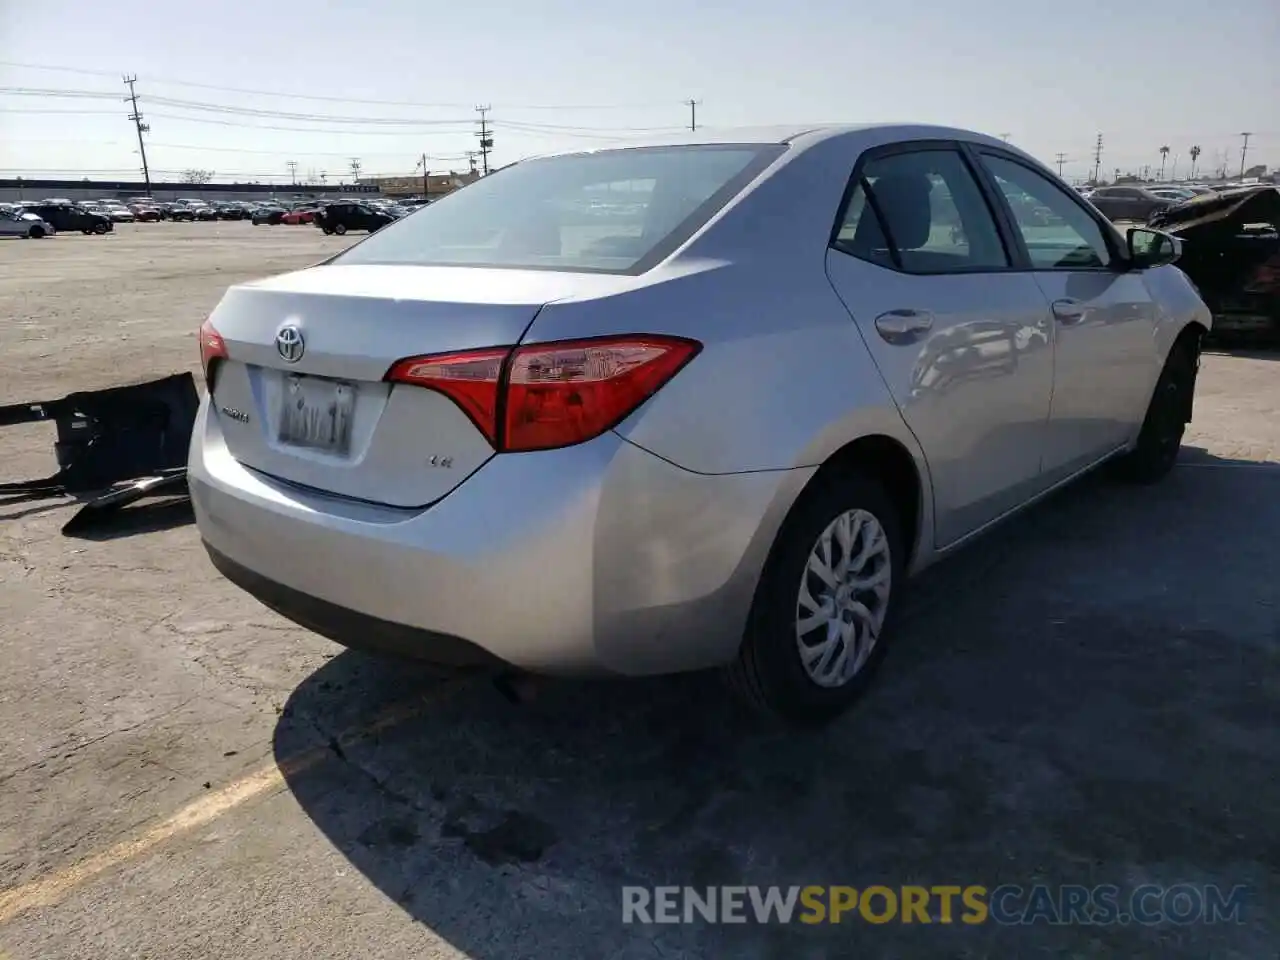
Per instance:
(18,223)
(118,212)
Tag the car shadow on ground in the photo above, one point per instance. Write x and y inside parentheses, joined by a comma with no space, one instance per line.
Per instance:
(1246,352)
(1085,697)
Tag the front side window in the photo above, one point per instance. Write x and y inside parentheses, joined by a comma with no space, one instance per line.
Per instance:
(613,211)
(1058,232)
(921,212)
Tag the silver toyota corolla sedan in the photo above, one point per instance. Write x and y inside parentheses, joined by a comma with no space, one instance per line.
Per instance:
(705,403)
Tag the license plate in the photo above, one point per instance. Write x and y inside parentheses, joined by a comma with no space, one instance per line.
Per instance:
(317,414)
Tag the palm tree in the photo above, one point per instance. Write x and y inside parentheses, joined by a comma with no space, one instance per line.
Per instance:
(1195,152)
(1164,152)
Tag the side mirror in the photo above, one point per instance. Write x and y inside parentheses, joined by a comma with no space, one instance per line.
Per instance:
(1151,248)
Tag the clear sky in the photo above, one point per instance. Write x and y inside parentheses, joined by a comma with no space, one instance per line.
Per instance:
(561,75)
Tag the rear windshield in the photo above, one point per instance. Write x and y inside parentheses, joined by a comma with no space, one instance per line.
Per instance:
(616,211)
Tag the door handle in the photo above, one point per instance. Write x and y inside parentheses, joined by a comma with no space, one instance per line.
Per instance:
(903,326)
(1068,311)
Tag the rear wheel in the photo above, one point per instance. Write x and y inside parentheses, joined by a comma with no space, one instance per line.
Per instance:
(823,609)
(36,233)
(99,228)
(327,230)
(1167,417)
(339,228)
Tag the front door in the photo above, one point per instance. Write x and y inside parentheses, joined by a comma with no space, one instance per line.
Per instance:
(961,339)
(1105,356)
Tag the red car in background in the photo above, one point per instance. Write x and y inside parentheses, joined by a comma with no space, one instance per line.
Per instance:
(300,215)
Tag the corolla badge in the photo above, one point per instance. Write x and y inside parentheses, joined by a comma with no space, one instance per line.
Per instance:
(290,345)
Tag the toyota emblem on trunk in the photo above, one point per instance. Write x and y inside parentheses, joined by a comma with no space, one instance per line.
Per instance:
(290,345)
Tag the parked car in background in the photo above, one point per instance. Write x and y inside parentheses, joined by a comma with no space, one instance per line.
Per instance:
(1128,203)
(712,432)
(69,216)
(1175,194)
(145,213)
(268,215)
(229,211)
(118,212)
(304,214)
(180,211)
(344,215)
(16,222)
(206,212)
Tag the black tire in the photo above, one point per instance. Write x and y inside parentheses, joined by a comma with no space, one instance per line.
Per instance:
(328,231)
(36,233)
(100,228)
(339,228)
(768,673)
(87,232)
(1167,417)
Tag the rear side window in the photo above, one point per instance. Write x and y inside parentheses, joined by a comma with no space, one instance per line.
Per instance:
(616,211)
(921,212)
(1058,232)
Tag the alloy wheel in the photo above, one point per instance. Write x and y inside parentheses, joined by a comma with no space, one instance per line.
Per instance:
(843,598)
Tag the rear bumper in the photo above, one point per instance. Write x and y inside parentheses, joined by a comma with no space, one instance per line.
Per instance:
(349,627)
(599,558)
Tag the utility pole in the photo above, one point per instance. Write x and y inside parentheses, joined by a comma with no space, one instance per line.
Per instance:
(142,128)
(471,160)
(1244,150)
(1004,137)
(1061,158)
(426,183)
(486,136)
(1097,158)
(293,172)
(693,112)
(355,170)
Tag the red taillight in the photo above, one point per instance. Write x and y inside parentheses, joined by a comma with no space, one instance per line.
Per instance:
(212,349)
(552,394)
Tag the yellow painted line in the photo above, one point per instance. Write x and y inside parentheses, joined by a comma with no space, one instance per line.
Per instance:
(268,779)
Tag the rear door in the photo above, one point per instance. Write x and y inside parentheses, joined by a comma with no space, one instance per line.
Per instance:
(961,338)
(1105,360)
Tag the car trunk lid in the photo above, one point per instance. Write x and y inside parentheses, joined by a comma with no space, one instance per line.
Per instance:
(300,394)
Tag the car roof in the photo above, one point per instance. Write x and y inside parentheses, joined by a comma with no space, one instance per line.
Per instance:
(803,135)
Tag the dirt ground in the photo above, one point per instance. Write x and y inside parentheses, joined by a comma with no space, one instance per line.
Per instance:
(1087,697)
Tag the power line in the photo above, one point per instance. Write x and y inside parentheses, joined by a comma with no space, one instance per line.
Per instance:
(141,127)
(168,81)
(403,132)
(286,152)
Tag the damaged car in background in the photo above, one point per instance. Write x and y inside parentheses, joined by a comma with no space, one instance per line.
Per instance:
(1231,252)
